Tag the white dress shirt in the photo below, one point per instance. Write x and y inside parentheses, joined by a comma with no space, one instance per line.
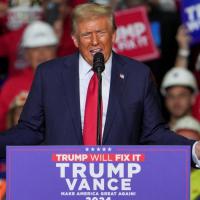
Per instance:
(85,74)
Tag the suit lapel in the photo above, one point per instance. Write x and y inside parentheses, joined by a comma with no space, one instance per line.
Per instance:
(118,79)
(70,78)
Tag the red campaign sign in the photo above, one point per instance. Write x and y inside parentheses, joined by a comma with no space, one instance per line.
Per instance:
(98,157)
(134,38)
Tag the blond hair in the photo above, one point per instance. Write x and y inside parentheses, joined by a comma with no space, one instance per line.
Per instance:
(90,11)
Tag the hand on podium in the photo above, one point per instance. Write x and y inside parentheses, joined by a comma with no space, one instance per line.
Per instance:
(197,150)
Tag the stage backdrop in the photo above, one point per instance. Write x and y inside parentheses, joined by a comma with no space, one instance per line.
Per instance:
(98,173)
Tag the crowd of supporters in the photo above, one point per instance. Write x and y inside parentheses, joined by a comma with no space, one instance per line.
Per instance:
(34,31)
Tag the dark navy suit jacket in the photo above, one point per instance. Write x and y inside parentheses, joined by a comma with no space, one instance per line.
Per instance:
(52,112)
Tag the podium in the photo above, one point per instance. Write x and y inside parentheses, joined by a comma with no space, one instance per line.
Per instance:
(98,172)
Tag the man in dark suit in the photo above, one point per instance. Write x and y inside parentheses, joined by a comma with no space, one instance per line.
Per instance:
(54,111)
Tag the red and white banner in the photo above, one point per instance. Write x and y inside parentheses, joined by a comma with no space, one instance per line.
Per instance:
(134,38)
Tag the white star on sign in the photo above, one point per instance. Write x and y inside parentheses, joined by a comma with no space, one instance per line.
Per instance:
(98,149)
(109,149)
(92,149)
(103,149)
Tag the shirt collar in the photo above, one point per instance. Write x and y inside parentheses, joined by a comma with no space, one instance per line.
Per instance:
(85,68)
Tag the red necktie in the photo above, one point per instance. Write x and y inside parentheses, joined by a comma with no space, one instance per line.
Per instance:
(90,118)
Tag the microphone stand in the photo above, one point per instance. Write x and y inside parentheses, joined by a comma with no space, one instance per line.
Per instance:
(98,67)
(99,110)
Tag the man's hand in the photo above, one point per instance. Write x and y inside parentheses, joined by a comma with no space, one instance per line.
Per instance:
(197,150)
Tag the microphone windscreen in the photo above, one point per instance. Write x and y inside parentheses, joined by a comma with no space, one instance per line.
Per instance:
(98,62)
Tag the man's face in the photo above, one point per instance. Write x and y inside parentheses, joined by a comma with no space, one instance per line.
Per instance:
(94,35)
(37,55)
(179,101)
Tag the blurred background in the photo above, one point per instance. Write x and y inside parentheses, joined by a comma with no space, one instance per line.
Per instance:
(35,31)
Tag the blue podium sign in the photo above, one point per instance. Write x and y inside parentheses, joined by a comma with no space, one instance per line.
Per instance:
(98,172)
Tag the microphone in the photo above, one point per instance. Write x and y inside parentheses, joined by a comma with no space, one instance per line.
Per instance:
(98,63)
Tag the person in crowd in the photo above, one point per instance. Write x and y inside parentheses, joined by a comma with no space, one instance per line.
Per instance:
(39,45)
(13,115)
(182,61)
(19,14)
(15,109)
(58,14)
(190,128)
(57,110)
(179,88)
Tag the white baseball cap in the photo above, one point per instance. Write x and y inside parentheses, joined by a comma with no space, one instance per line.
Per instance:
(39,34)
